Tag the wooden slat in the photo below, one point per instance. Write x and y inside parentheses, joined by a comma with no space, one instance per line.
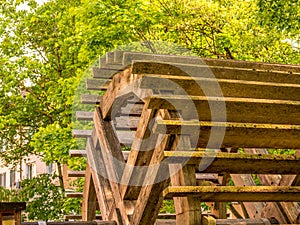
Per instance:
(231,162)
(103,73)
(126,122)
(236,134)
(110,147)
(88,116)
(150,197)
(77,153)
(234,193)
(76,173)
(212,221)
(79,217)
(229,88)
(244,110)
(97,84)
(110,56)
(82,133)
(140,155)
(90,99)
(283,76)
(128,57)
(74,195)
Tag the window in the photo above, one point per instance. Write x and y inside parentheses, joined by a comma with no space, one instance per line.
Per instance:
(12,178)
(29,171)
(3,179)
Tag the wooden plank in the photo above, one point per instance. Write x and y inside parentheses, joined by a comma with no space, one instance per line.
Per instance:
(211,221)
(234,193)
(126,122)
(77,153)
(236,134)
(96,222)
(128,57)
(150,197)
(7,206)
(90,99)
(131,110)
(188,209)
(97,84)
(118,57)
(229,88)
(140,155)
(125,137)
(111,148)
(231,162)
(103,73)
(76,173)
(89,197)
(74,195)
(244,110)
(87,116)
(99,176)
(110,56)
(81,133)
(79,217)
(219,72)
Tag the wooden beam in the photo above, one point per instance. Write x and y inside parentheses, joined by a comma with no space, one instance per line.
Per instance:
(97,84)
(229,88)
(245,110)
(231,162)
(103,73)
(129,57)
(99,176)
(236,134)
(209,220)
(76,173)
(88,116)
(219,72)
(150,197)
(77,153)
(74,195)
(234,193)
(90,99)
(140,155)
(110,147)
(82,133)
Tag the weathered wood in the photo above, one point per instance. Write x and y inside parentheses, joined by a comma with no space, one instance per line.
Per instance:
(8,206)
(188,209)
(212,221)
(111,148)
(103,73)
(74,195)
(150,197)
(87,116)
(129,57)
(126,122)
(76,173)
(219,72)
(99,176)
(90,99)
(231,162)
(234,193)
(110,56)
(140,154)
(77,153)
(236,134)
(81,133)
(89,197)
(97,84)
(79,217)
(229,88)
(244,110)
(96,222)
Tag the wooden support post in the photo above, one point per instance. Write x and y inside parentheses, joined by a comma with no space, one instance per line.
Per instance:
(188,209)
